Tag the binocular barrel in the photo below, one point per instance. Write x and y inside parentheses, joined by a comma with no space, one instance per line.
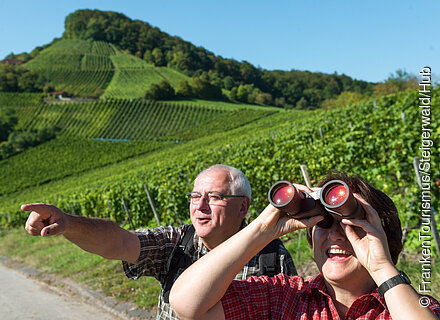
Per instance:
(334,198)
(286,197)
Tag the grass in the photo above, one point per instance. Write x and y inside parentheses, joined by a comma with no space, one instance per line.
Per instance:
(55,255)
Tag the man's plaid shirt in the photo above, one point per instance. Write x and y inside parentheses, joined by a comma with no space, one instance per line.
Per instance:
(157,248)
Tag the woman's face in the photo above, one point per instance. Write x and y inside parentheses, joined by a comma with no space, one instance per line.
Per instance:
(335,256)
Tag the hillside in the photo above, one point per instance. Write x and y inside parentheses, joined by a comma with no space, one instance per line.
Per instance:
(95,68)
(375,142)
(106,54)
(95,134)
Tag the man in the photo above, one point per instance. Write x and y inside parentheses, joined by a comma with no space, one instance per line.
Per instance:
(218,205)
(356,259)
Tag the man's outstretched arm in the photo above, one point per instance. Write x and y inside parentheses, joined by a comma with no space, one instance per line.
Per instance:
(98,236)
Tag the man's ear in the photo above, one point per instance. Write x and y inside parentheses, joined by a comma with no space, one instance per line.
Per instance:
(244,208)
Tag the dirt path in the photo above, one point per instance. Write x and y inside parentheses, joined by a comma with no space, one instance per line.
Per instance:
(28,294)
(25,298)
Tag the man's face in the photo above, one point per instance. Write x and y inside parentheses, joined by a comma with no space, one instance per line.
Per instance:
(335,256)
(215,223)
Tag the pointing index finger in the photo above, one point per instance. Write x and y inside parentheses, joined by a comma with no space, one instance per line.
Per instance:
(43,209)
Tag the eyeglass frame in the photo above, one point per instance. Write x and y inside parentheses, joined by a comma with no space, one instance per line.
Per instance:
(207,195)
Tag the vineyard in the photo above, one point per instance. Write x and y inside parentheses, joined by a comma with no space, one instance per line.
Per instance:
(66,156)
(377,140)
(95,68)
(84,131)
(115,119)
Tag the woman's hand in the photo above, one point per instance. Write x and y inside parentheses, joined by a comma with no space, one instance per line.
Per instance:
(279,223)
(369,241)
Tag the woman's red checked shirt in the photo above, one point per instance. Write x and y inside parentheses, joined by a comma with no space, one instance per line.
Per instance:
(284,297)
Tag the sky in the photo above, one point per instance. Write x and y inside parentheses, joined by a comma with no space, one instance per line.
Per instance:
(366,40)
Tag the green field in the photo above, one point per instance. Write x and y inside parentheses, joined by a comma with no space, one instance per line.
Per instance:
(134,76)
(373,142)
(115,118)
(98,69)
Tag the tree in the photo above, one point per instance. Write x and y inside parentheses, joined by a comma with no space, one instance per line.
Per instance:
(302,104)
(184,89)
(345,99)
(313,97)
(244,91)
(204,89)
(28,81)
(228,83)
(396,82)
(158,57)
(160,91)
(264,99)
(8,120)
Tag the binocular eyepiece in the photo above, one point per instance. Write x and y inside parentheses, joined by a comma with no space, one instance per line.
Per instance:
(334,200)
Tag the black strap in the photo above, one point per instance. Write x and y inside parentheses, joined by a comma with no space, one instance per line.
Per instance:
(268,259)
(181,260)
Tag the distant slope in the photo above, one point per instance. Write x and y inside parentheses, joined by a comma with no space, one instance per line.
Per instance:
(66,156)
(133,76)
(96,68)
(164,125)
(116,118)
(291,88)
(79,67)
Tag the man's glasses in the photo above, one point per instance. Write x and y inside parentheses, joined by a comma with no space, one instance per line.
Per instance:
(212,197)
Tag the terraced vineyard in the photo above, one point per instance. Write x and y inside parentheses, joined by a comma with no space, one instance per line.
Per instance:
(81,68)
(66,156)
(95,68)
(376,143)
(115,119)
(132,78)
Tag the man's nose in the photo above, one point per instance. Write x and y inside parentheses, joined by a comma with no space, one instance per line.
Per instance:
(203,202)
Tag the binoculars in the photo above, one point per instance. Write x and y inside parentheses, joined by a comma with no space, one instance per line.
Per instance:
(333,201)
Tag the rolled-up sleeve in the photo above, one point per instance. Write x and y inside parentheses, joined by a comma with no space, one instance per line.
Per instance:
(157,246)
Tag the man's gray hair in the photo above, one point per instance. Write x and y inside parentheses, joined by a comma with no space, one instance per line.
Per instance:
(239,183)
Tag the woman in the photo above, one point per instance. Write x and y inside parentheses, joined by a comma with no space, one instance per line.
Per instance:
(354,257)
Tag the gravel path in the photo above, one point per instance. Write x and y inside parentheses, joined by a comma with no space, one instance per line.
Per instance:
(25,298)
(27,294)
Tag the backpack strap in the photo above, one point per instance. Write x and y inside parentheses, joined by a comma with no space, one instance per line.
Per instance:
(268,259)
(181,260)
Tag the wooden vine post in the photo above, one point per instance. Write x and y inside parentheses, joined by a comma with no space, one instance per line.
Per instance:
(150,199)
(128,214)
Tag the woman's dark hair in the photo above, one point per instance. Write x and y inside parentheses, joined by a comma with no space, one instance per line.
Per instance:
(380,202)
